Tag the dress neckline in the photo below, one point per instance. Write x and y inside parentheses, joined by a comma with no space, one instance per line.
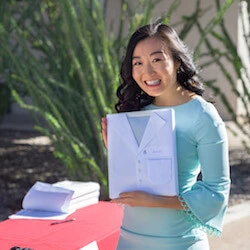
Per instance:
(175,106)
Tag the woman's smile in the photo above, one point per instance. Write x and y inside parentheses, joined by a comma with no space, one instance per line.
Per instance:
(153,83)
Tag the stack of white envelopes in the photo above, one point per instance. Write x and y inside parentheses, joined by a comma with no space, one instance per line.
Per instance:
(85,193)
(58,200)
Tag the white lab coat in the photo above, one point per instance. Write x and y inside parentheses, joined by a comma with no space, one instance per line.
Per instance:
(149,166)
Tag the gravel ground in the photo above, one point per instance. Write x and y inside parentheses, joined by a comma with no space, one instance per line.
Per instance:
(26,157)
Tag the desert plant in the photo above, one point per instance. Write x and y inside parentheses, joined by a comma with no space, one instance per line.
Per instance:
(59,53)
(63,55)
(228,53)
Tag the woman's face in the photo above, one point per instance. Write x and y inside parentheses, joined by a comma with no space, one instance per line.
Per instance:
(153,67)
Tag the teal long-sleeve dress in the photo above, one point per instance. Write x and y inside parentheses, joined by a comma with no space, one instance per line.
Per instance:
(202,146)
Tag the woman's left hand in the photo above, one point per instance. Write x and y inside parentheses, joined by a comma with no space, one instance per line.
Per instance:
(144,199)
(136,199)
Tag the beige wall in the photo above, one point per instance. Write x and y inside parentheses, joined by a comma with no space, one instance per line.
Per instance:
(244,53)
(187,7)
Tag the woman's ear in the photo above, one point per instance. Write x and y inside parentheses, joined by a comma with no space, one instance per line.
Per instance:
(177,65)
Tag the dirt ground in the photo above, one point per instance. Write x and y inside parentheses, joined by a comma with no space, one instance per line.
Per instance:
(26,157)
(24,161)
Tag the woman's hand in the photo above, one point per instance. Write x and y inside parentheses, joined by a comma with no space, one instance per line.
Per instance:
(136,199)
(144,199)
(104,131)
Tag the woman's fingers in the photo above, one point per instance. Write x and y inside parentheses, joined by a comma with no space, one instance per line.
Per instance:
(135,198)
(104,131)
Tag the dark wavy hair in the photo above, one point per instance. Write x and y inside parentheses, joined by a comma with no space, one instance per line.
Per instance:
(130,95)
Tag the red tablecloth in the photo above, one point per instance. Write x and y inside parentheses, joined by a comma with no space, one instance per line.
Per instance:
(99,222)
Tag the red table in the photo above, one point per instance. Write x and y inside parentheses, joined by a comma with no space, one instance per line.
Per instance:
(97,223)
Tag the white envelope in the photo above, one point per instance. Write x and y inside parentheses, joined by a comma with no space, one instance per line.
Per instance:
(149,166)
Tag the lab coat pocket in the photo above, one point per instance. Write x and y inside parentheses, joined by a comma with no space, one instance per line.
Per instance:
(159,170)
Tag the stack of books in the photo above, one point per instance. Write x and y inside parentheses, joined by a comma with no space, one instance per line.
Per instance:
(57,200)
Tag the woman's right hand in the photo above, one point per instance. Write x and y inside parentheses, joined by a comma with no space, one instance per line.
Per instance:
(104,131)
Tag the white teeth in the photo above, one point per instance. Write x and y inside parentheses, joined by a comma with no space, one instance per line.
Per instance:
(152,83)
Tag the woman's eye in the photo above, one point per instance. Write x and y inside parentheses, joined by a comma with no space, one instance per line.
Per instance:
(136,63)
(156,60)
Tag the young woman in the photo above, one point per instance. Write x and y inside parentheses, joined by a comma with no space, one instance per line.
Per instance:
(158,72)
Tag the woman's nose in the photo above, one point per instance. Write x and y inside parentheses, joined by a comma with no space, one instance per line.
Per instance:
(149,70)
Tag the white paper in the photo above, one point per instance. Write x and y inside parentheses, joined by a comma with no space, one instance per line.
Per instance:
(57,201)
(91,246)
(38,214)
(79,188)
(150,165)
(46,197)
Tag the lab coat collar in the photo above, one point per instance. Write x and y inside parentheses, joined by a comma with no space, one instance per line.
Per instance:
(122,127)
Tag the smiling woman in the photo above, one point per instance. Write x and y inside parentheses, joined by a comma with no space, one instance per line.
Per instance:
(157,55)
(158,72)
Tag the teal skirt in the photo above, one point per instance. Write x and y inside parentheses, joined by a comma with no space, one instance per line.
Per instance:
(132,241)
